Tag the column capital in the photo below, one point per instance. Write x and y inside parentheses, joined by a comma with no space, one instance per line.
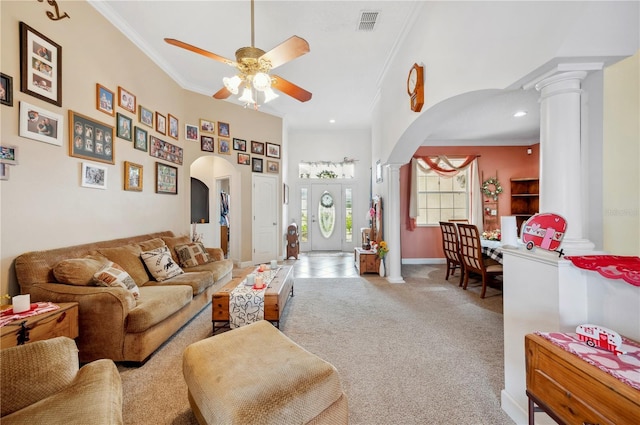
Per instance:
(564,81)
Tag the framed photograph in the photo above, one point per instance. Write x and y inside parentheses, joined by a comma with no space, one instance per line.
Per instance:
(285,193)
(257,147)
(224,146)
(161,123)
(145,116)
(9,155)
(378,172)
(207,126)
(173,127)
(6,90)
(256,165)
(273,150)
(140,141)
(191,132)
(4,172)
(166,179)
(125,124)
(244,159)
(94,176)
(40,66)
(40,124)
(223,129)
(90,139)
(126,100)
(132,176)
(165,150)
(273,167)
(104,99)
(239,145)
(206,143)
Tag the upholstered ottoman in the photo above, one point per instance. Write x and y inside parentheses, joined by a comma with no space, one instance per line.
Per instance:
(256,375)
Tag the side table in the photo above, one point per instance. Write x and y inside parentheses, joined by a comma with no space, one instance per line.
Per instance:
(61,322)
(366,261)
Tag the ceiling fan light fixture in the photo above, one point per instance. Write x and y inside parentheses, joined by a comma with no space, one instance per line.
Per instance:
(232,83)
(261,81)
(247,96)
(269,95)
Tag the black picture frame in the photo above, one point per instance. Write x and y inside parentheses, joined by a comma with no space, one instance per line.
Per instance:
(166,179)
(6,85)
(239,145)
(141,140)
(40,66)
(257,165)
(206,143)
(91,139)
(124,126)
(257,147)
(158,148)
(273,150)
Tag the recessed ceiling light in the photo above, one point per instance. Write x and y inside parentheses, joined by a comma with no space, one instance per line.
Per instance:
(520,114)
(332,121)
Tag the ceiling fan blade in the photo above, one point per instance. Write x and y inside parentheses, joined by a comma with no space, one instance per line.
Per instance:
(289,88)
(287,51)
(199,51)
(223,93)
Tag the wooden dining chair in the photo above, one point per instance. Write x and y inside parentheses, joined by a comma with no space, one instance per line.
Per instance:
(451,248)
(472,259)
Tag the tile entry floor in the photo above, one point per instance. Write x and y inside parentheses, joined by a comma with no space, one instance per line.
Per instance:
(323,264)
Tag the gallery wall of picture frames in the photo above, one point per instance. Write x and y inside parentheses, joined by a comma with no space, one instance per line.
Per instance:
(126,118)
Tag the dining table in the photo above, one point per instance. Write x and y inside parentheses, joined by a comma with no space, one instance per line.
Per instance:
(492,249)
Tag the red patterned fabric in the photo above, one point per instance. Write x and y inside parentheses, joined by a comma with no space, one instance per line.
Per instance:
(8,316)
(624,367)
(610,266)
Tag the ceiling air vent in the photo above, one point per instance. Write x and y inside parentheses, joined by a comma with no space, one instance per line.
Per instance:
(367,20)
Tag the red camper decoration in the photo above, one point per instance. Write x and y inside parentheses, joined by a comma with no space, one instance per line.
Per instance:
(544,230)
(597,336)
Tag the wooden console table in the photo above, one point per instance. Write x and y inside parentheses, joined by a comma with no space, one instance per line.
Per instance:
(366,261)
(60,322)
(572,391)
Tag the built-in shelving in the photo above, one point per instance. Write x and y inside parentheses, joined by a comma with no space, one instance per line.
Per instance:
(525,198)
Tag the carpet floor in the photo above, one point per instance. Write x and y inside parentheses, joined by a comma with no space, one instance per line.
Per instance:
(423,352)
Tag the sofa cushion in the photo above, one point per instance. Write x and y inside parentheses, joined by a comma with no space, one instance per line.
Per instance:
(78,271)
(111,275)
(172,241)
(155,304)
(217,268)
(160,264)
(128,257)
(154,243)
(192,254)
(198,281)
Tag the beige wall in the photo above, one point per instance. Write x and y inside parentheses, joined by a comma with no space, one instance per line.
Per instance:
(621,155)
(43,204)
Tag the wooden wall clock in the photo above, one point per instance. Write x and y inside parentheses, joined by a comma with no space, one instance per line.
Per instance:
(415,87)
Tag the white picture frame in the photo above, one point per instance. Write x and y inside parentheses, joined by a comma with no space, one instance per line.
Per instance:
(94,176)
(8,154)
(41,125)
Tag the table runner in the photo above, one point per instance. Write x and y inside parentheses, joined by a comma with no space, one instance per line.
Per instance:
(8,316)
(624,367)
(246,305)
(610,266)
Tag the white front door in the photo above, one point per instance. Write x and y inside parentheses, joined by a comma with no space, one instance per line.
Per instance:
(265,219)
(327,222)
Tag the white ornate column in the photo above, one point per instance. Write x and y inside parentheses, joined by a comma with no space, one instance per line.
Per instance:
(560,155)
(392,228)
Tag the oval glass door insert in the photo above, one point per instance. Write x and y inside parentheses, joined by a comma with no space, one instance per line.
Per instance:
(326,215)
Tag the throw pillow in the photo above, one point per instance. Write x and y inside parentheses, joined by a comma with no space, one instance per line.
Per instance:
(172,241)
(192,254)
(151,244)
(112,275)
(160,264)
(128,257)
(78,271)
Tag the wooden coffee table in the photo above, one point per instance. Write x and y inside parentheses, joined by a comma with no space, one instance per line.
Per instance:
(275,298)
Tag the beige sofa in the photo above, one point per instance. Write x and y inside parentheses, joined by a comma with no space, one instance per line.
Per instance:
(113,323)
(43,384)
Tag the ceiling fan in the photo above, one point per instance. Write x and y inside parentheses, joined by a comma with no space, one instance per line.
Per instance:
(253,66)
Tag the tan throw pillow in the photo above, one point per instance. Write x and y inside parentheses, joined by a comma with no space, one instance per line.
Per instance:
(78,271)
(128,257)
(160,264)
(112,275)
(192,254)
(172,241)
(154,243)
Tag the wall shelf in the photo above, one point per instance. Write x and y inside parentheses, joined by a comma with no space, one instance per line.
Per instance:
(525,198)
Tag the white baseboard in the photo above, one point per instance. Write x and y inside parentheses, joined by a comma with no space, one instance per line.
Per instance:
(424,261)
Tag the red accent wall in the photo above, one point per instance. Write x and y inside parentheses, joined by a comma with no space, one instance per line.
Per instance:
(509,162)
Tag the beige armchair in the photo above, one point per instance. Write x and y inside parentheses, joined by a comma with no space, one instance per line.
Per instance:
(42,383)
